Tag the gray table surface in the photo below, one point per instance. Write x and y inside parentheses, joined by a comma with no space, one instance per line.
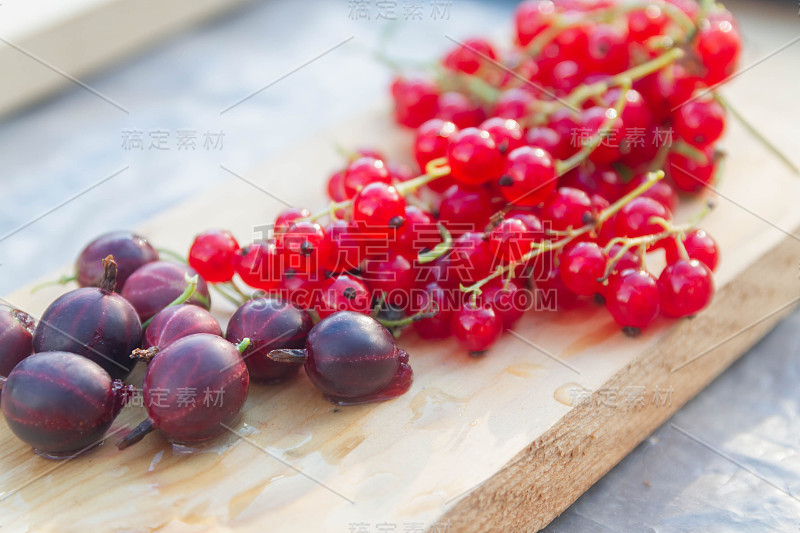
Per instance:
(727,461)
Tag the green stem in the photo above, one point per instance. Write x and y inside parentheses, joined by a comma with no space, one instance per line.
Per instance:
(568,164)
(235,301)
(242,346)
(169,253)
(757,134)
(188,292)
(440,249)
(63,280)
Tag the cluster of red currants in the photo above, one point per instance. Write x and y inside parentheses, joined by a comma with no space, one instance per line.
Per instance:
(537,187)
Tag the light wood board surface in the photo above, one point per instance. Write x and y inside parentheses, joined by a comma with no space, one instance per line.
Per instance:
(487,444)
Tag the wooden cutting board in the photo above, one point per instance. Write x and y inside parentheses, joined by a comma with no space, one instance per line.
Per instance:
(488,444)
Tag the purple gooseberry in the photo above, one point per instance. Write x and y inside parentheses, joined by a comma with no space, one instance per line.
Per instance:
(16,338)
(269,323)
(130,251)
(94,322)
(61,403)
(155,285)
(352,359)
(178,321)
(192,390)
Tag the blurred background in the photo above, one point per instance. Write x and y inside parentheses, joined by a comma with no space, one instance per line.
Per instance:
(115,110)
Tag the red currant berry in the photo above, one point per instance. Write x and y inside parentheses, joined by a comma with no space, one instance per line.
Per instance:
(470,259)
(434,296)
(465,209)
(213,255)
(529,177)
(718,45)
(419,231)
(661,191)
(286,218)
(545,138)
(506,132)
(607,50)
(336,187)
(567,208)
(305,247)
(689,174)
(646,23)
(474,157)
(632,299)
(469,56)
(347,246)
(362,172)
(510,240)
(343,293)
(260,265)
(514,104)
(552,294)
(608,150)
(635,218)
(699,245)
(460,110)
(391,275)
(685,287)
(531,18)
(476,327)
(378,206)
(508,301)
(700,123)
(432,140)
(415,101)
(581,266)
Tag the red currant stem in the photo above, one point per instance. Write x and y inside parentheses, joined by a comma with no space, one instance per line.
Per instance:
(188,292)
(376,309)
(138,433)
(660,160)
(757,134)
(564,22)
(349,155)
(692,152)
(403,322)
(235,288)
(582,93)
(235,301)
(287,355)
(562,167)
(63,280)
(469,83)
(440,249)
(109,281)
(434,169)
(174,255)
(610,211)
(682,253)
(243,345)
(643,256)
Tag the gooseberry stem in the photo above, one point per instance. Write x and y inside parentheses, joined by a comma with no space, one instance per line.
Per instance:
(109,281)
(174,255)
(188,292)
(286,355)
(138,433)
(63,280)
(242,346)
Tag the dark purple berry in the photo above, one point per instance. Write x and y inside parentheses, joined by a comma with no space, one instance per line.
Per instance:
(94,322)
(192,390)
(154,286)
(61,403)
(16,338)
(352,359)
(178,321)
(270,324)
(130,251)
